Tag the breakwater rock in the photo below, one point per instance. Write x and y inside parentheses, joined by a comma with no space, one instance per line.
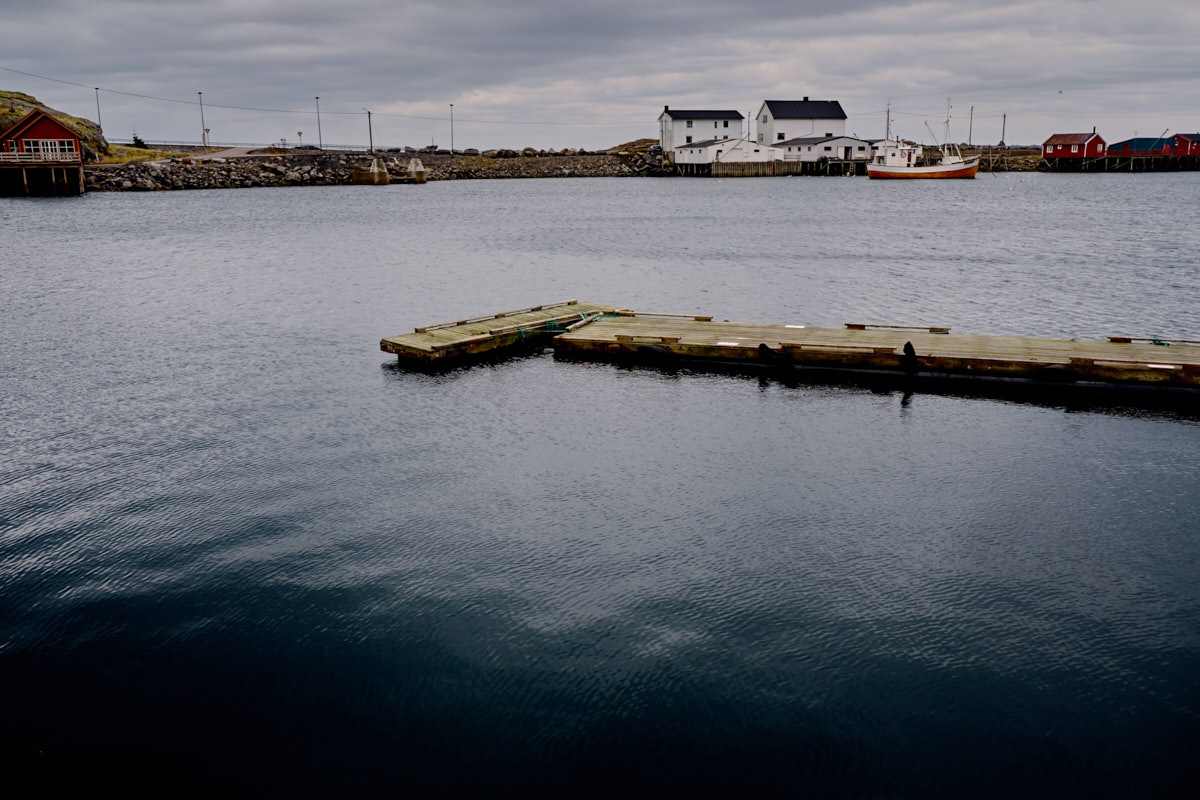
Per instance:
(318,169)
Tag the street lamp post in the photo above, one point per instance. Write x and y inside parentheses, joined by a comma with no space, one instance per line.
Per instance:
(320,144)
(452,130)
(370,135)
(203,130)
(98,125)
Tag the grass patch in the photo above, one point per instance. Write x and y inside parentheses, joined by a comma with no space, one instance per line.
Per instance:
(122,154)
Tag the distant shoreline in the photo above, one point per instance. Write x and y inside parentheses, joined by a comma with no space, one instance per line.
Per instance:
(326,168)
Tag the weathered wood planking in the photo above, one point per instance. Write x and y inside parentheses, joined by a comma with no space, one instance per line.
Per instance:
(475,336)
(940,353)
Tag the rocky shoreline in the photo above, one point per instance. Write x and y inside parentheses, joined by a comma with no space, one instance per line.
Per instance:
(326,169)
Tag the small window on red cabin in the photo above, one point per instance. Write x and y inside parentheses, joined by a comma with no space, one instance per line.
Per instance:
(1074,148)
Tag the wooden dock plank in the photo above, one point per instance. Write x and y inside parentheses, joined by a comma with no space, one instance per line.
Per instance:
(483,334)
(1126,362)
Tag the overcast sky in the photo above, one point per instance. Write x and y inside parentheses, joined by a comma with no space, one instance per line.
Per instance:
(519,71)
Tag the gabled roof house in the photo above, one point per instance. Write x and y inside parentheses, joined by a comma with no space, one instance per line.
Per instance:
(780,120)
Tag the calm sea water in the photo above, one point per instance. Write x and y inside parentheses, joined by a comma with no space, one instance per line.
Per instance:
(241,551)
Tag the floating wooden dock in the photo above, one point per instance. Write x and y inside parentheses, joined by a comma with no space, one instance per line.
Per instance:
(887,349)
(603,332)
(446,342)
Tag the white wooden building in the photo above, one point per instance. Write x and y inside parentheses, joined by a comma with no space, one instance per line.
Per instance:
(678,128)
(725,151)
(815,148)
(781,120)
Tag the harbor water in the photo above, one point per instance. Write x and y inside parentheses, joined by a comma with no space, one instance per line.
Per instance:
(242,551)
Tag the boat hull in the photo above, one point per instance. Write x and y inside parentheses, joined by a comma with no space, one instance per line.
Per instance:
(964,169)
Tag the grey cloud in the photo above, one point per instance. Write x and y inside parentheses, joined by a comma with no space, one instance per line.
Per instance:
(535,59)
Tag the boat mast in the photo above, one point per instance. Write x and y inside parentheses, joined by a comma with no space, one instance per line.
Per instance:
(946,135)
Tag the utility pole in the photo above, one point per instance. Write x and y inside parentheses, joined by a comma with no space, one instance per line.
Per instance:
(1003,128)
(101,127)
(452,130)
(203,130)
(971,126)
(370,135)
(320,143)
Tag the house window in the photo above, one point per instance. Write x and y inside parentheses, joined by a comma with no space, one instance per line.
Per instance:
(714,123)
(1049,147)
(689,123)
(861,148)
(829,133)
(760,137)
(827,148)
(1074,148)
(726,123)
(764,119)
(779,136)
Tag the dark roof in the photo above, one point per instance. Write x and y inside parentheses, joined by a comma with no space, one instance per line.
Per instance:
(1143,143)
(710,142)
(676,114)
(805,109)
(1069,138)
(805,140)
(1191,137)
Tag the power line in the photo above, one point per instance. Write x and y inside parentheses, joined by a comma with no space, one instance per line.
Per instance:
(306,111)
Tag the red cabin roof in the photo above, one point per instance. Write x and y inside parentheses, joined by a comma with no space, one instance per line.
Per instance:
(37,124)
(1071,138)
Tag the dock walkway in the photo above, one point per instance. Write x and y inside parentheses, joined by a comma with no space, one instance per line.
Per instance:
(445,342)
(902,350)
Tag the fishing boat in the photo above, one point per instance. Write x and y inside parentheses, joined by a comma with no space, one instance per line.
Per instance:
(900,159)
(903,160)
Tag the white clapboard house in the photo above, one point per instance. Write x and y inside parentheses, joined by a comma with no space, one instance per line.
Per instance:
(685,127)
(722,151)
(781,120)
(815,148)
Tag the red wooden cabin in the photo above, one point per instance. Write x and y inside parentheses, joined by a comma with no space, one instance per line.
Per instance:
(1074,145)
(1187,144)
(39,138)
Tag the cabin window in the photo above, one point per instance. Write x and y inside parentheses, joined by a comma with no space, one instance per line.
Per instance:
(726,125)
(861,148)
(827,148)
(764,119)
(689,139)
(1074,148)
(829,133)
(779,136)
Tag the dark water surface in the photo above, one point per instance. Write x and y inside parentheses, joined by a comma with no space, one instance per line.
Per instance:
(240,550)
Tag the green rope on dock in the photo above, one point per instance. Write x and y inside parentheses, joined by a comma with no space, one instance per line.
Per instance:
(1156,340)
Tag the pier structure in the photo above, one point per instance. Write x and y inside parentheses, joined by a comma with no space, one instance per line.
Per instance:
(596,331)
(452,342)
(761,169)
